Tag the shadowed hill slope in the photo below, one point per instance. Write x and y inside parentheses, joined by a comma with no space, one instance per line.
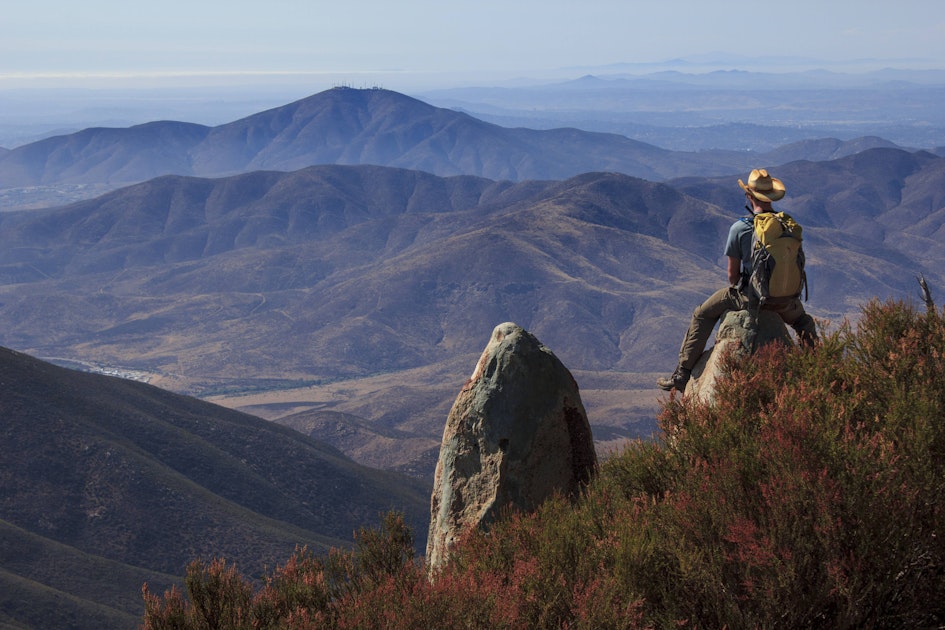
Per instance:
(103,155)
(122,482)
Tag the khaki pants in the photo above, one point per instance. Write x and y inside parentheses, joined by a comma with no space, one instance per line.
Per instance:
(706,315)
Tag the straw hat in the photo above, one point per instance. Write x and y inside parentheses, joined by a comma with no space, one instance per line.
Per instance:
(762,186)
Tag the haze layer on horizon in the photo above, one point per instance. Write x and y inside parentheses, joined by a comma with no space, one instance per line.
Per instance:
(104,62)
(93,43)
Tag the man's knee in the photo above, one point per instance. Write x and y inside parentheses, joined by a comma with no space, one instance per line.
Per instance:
(716,304)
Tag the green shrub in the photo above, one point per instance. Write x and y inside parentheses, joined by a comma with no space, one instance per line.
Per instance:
(809,494)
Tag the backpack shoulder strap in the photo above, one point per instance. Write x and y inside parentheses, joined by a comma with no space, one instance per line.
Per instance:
(791,226)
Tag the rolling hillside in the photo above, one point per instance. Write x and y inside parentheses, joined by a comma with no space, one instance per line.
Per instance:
(369,291)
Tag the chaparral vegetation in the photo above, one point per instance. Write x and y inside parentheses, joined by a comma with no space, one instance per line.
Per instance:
(810,493)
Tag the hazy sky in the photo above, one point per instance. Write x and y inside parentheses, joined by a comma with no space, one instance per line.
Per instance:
(84,42)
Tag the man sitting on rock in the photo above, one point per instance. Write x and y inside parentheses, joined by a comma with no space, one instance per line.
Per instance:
(761,190)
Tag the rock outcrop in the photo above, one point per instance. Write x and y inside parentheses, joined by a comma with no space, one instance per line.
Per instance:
(736,334)
(516,435)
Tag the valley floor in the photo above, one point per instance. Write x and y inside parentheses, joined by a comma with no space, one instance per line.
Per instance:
(395,420)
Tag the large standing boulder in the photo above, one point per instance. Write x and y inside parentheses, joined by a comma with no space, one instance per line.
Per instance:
(516,435)
(739,334)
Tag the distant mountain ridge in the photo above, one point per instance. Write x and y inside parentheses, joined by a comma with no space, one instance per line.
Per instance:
(724,109)
(106,483)
(339,126)
(348,126)
(351,127)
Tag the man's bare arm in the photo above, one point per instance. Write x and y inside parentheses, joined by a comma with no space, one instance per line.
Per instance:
(734,270)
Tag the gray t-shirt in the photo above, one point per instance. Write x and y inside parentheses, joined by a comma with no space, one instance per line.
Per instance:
(738,244)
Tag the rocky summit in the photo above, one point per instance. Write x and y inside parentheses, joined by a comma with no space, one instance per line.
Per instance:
(517,434)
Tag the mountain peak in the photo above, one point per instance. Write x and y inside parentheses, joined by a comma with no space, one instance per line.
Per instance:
(343,125)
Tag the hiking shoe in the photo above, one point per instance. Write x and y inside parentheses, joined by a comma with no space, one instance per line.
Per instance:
(677,380)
